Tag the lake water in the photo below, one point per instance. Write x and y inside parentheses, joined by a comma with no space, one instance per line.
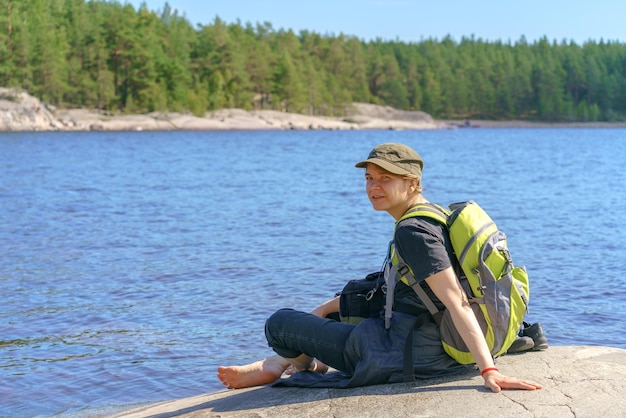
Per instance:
(133,264)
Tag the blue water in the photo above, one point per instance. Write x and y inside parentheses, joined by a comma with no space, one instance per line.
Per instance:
(133,264)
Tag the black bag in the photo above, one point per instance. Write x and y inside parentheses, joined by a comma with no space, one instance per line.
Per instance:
(360,299)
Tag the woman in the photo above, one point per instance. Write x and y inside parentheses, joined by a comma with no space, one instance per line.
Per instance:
(368,353)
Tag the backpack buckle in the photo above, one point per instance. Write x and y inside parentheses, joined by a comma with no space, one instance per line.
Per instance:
(403,270)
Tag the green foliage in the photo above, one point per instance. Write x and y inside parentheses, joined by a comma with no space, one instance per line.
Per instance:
(108,55)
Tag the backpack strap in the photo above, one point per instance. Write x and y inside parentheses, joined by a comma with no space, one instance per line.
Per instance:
(408,276)
(427,210)
(439,214)
(390,280)
(405,272)
(391,272)
(407,362)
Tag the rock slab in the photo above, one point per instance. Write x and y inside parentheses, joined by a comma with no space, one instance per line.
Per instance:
(580,381)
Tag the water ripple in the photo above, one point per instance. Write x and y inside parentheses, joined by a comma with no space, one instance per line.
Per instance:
(136,263)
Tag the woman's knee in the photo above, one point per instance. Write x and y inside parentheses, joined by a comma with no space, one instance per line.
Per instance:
(277,321)
(275,328)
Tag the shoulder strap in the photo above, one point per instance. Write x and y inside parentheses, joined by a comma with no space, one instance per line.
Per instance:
(439,214)
(405,272)
(427,210)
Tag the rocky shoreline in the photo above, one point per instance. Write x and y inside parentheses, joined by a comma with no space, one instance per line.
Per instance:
(20,111)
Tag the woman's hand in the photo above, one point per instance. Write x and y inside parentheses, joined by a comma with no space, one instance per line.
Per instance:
(496,382)
(447,288)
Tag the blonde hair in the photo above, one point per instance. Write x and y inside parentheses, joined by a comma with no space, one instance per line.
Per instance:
(418,181)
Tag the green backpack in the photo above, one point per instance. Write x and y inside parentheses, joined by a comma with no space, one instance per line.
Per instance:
(497,290)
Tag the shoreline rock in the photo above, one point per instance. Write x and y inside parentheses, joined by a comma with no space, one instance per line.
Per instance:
(22,112)
(577,381)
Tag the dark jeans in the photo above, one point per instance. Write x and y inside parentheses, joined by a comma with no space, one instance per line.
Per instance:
(291,333)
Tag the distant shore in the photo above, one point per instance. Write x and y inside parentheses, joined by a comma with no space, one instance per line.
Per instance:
(479,123)
(21,112)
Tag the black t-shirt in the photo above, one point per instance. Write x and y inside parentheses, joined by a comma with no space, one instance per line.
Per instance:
(425,246)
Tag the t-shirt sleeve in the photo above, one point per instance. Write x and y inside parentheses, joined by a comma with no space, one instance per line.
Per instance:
(421,244)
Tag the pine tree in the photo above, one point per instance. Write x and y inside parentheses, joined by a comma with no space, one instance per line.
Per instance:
(47,50)
(6,42)
(548,84)
(288,85)
(174,66)
(107,55)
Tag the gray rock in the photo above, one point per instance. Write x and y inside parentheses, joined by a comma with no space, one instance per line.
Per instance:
(577,382)
(22,112)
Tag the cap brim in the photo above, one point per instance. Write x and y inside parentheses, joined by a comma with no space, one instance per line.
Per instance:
(385,165)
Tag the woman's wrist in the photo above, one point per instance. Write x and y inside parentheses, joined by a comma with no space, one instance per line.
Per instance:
(488,370)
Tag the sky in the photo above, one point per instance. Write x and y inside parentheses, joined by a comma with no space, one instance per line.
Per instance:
(415,20)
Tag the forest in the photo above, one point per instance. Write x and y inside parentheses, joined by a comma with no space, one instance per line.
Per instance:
(108,55)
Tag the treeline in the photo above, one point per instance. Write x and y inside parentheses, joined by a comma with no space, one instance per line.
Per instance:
(108,55)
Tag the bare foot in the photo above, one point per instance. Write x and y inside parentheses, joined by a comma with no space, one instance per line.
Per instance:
(317,366)
(259,373)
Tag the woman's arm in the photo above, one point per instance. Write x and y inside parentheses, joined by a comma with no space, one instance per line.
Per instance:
(326,308)
(447,288)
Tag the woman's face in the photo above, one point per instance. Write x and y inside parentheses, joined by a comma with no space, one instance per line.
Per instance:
(387,191)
